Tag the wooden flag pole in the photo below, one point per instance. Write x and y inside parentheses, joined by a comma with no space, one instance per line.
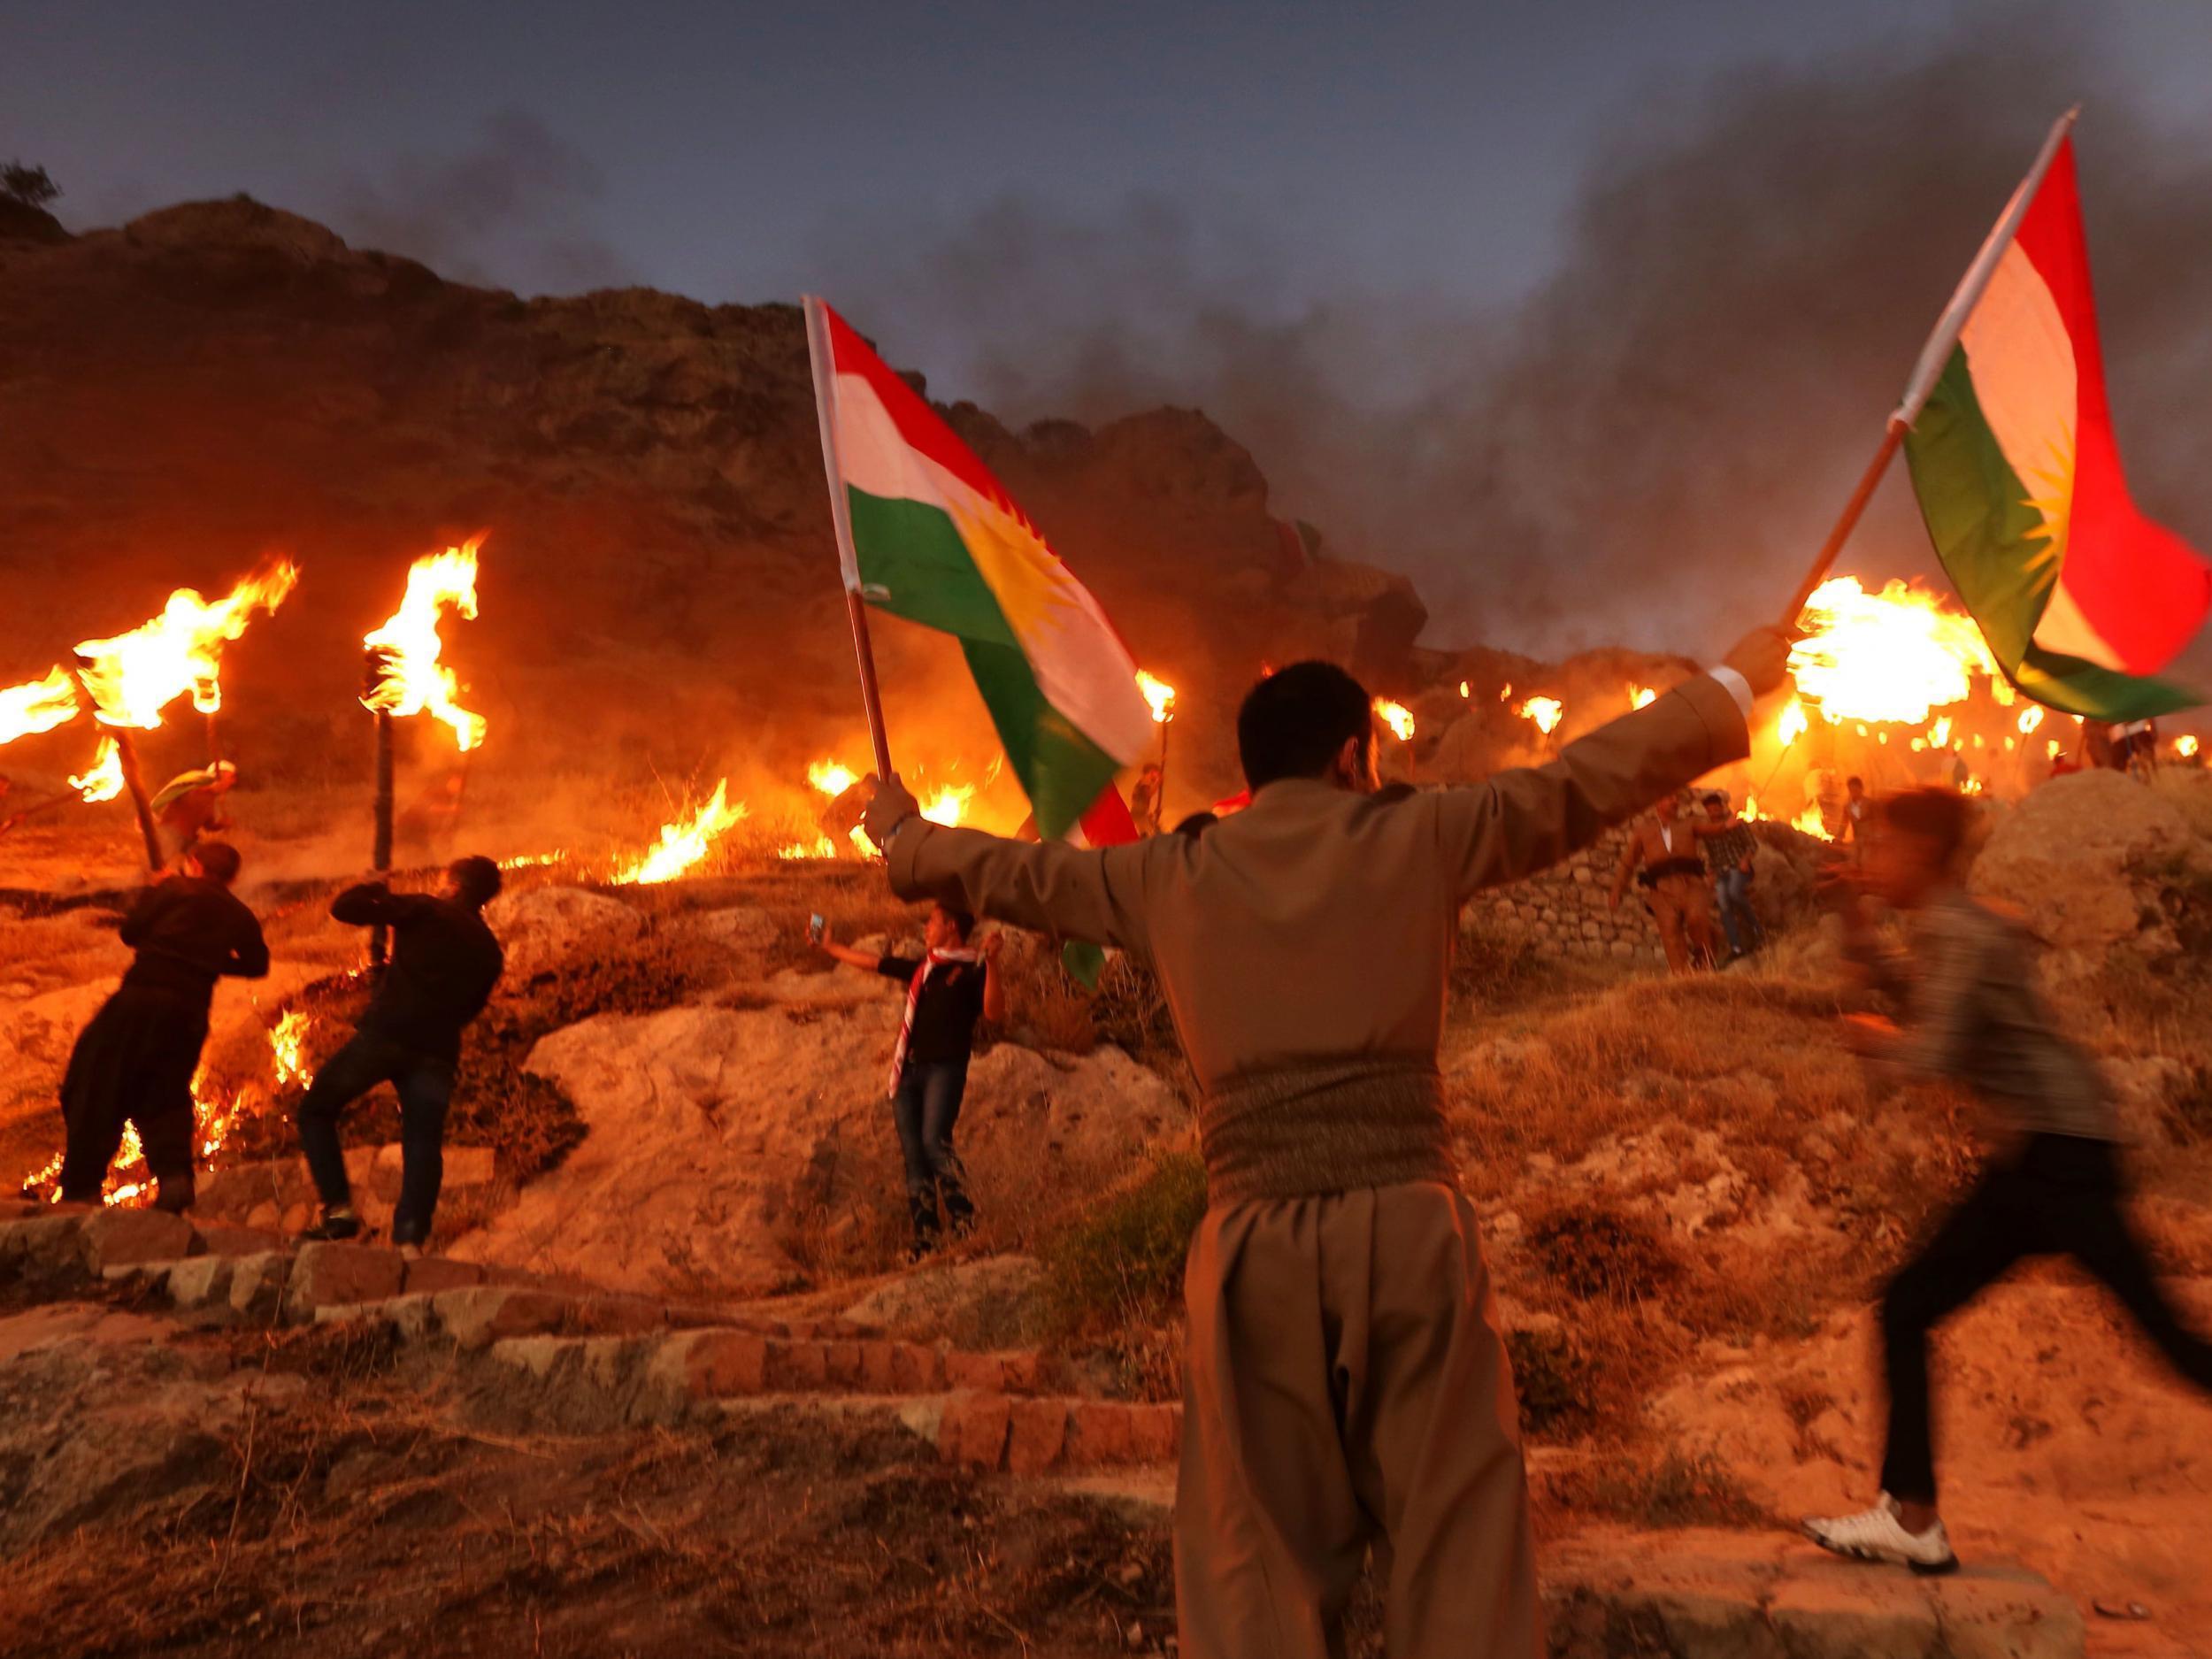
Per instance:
(824,364)
(1854,510)
(127,759)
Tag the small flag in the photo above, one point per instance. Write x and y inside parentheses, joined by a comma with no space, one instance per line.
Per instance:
(937,539)
(2082,598)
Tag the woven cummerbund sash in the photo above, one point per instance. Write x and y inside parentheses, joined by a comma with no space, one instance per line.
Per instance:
(1325,1129)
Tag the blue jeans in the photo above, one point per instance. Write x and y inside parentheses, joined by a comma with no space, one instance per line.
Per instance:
(424,1086)
(1738,920)
(924,1108)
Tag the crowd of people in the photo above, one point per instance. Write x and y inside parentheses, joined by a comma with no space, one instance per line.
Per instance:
(1346,1384)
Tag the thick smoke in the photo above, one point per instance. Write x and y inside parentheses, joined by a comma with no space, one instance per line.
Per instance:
(518,198)
(1647,449)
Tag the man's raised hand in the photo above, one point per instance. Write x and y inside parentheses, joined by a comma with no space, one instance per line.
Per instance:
(890,805)
(1763,657)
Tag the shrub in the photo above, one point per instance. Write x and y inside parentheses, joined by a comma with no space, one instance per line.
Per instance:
(1677,1491)
(1594,1251)
(1113,1275)
(30,187)
(1554,1379)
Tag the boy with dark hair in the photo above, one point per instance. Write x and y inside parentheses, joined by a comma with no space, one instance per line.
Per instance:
(948,988)
(444,965)
(1346,1384)
(134,1062)
(2051,1187)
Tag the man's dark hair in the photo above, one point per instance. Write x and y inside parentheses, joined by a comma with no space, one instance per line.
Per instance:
(1937,816)
(1292,723)
(1855,783)
(219,861)
(476,881)
(963,921)
(1716,798)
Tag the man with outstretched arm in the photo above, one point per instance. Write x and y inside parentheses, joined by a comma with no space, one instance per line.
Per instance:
(134,1062)
(949,988)
(444,965)
(2052,1185)
(1345,1383)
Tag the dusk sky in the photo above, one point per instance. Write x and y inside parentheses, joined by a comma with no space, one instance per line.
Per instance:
(711,149)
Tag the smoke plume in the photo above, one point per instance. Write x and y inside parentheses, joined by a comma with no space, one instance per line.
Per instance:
(1648,448)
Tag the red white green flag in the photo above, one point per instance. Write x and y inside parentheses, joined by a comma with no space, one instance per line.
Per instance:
(2082,598)
(935,539)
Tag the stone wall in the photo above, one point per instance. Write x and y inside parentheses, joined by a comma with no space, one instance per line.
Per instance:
(1561,912)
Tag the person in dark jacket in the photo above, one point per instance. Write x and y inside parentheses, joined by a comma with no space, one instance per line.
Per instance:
(444,965)
(134,1062)
(949,988)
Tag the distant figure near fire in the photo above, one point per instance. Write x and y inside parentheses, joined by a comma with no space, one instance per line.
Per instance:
(948,990)
(444,965)
(133,1063)
(1672,874)
(190,805)
(1346,1384)
(2054,1186)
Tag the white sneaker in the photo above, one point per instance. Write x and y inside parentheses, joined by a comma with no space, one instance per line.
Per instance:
(1877,1535)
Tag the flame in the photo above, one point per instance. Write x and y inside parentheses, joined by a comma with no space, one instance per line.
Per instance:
(1545,712)
(1641,697)
(1792,725)
(1939,733)
(1810,823)
(1505,693)
(686,841)
(1463,689)
(1972,785)
(38,706)
(2031,718)
(1895,655)
(2186,746)
(135,676)
(1160,694)
(949,804)
(285,1039)
(528,861)
(1397,717)
(412,680)
(104,781)
(2051,749)
(832,778)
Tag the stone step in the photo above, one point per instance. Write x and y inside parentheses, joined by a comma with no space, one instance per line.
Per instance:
(1771,1597)
(1057,1434)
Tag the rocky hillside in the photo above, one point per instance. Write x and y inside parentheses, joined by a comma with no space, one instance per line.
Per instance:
(221,380)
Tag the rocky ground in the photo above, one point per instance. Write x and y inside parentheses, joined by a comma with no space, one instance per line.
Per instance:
(668,1382)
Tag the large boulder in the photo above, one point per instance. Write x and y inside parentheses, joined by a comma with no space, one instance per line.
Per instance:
(716,1136)
(2083,859)
(539,928)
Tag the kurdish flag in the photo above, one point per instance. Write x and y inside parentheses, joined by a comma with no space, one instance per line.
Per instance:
(927,534)
(2080,596)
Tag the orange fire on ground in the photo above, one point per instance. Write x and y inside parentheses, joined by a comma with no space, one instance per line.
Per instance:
(832,778)
(686,841)
(1543,712)
(949,804)
(2186,746)
(104,781)
(1641,697)
(288,1039)
(1159,696)
(1397,717)
(413,681)
(135,676)
(1896,656)
(40,705)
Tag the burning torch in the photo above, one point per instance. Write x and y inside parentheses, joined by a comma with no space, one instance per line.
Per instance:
(403,675)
